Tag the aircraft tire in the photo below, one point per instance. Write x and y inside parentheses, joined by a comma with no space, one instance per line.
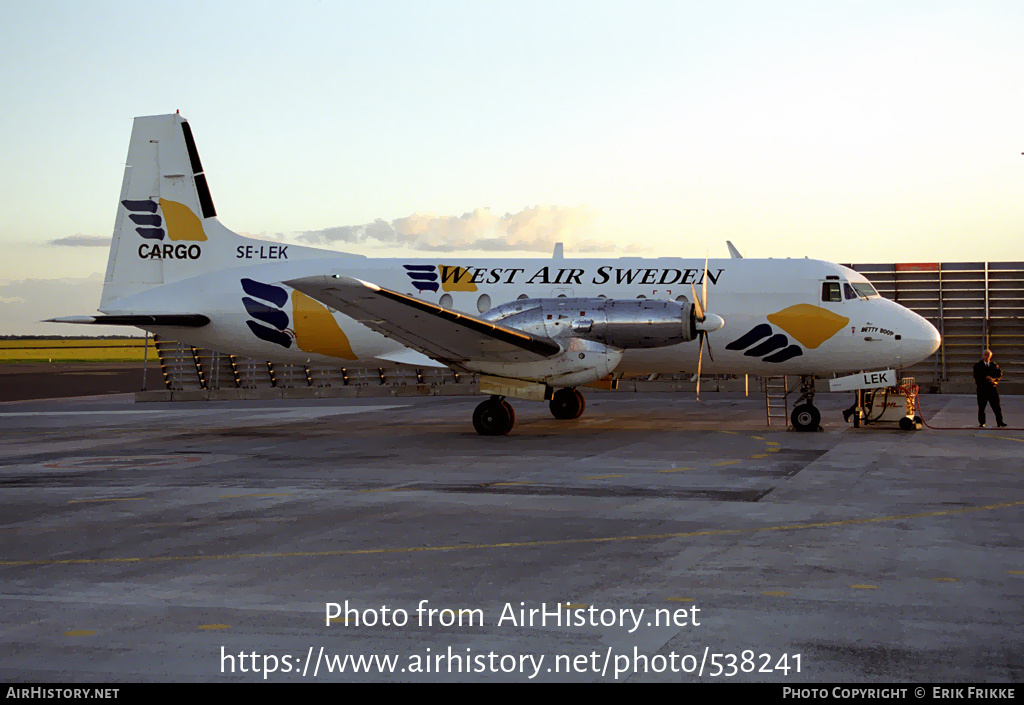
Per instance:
(567,404)
(907,424)
(511,415)
(494,417)
(582,402)
(805,418)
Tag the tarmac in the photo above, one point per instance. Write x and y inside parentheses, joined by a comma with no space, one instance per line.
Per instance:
(654,539)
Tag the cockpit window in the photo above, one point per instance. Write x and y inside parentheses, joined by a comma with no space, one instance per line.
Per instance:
(865,289)
(830,291)
(848,291)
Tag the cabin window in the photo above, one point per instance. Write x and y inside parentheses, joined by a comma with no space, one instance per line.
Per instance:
(446,301)
(830,291)
(483,304)
(522,296)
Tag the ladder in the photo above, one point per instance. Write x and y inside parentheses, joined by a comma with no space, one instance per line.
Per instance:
(776,400)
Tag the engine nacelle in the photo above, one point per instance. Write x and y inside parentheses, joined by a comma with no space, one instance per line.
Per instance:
(580,362)
(617,323)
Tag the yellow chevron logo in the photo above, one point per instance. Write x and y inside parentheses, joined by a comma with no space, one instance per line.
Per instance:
(810,325)
(316,331)
(456,278)
(182,223)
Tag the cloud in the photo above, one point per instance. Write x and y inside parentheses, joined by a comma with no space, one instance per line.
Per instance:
(25,303)
(276,237)
(80,240)
(534,229)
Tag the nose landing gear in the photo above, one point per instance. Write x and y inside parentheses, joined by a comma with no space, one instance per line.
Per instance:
(805,416)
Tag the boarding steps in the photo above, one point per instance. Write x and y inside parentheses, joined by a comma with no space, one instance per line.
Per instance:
(776,400)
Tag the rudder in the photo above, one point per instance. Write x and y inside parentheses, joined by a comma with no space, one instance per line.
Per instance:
(166,228)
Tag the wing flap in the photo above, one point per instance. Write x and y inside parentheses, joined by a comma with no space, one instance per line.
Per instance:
(449,336)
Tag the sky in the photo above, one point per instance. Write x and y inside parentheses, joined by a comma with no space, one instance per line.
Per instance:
(845,131)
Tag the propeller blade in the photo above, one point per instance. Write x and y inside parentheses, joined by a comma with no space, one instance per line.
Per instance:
(704,293)
(700,357)
(699,313)
(709,346)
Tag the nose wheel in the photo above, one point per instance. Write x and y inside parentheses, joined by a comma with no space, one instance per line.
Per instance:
(805,416)
(567,404)
(494,417)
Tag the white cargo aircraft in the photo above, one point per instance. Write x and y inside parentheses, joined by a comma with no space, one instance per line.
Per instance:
(533,329)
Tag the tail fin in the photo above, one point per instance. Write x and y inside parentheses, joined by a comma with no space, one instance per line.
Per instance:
(166,227)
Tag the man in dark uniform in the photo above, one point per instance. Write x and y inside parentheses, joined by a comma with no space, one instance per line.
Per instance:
(986,376)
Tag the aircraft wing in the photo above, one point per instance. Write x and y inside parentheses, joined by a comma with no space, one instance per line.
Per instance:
(452,337)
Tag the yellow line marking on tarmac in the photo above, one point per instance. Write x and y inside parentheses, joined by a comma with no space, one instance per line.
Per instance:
(759,456)
(1015,572)
(757,438)
(532,544)
(575,606)
(728,462)
(679,599)
(864,587)
(732,432)
(772,443)
(676,470)
(775,593)
(264,494)
(600,477)
(108,499)
(945,580)
(80,632)
(773,450)
(383,489)
(212,627)
(507,484)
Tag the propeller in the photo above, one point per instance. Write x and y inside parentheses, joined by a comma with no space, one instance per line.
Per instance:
(706,322)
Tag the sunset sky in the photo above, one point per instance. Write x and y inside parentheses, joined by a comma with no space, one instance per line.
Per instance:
(845,131)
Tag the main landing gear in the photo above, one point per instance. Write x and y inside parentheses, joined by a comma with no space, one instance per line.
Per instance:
(496,417)
(805,416)
(567,404)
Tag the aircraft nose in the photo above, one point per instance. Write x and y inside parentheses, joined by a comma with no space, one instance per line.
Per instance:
(920,339)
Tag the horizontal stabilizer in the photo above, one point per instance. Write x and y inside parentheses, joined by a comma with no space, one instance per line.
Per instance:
(449,336)
(178,320)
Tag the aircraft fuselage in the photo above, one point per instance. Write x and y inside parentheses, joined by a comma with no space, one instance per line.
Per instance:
(776,321)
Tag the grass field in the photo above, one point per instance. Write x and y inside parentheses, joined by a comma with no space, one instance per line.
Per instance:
(75,350)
